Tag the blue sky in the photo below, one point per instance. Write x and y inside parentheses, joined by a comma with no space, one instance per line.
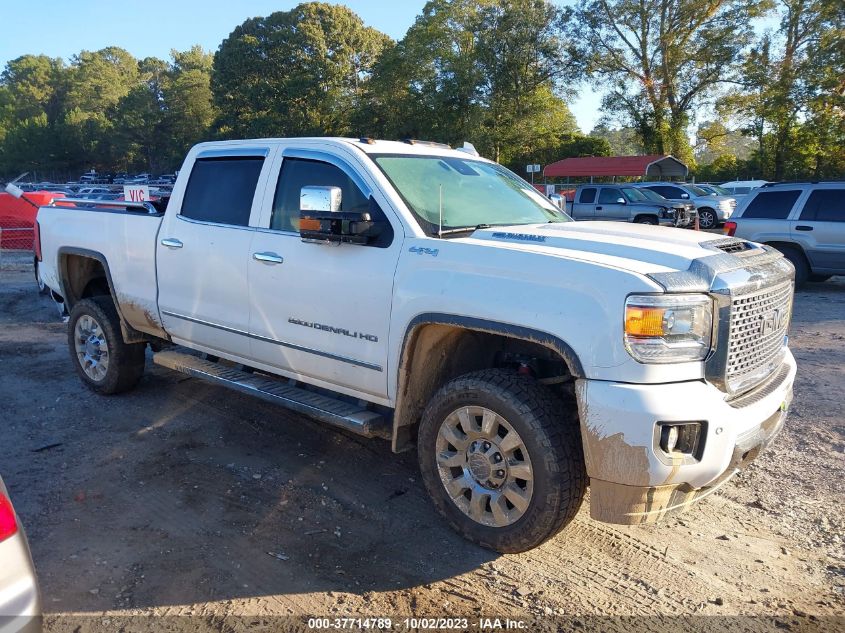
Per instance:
(61,28)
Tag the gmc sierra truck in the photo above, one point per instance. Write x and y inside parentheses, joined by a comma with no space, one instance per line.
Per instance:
(425,295)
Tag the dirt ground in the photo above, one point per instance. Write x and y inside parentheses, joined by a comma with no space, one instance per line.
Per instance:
(181,499)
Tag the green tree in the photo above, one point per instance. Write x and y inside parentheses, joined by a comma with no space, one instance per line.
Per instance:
(488,71)
(294,72)
(187,95)
(623,141)
(658,59)
(790,96)
(34,85)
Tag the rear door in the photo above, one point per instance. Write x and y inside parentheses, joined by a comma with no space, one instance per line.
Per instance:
(820,228)
(608,207)
(203,249)
(584,206)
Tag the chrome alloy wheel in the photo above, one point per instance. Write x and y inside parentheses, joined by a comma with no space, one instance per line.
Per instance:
(92,349)
(484,466)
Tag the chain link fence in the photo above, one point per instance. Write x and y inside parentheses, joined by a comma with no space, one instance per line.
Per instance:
(16,244)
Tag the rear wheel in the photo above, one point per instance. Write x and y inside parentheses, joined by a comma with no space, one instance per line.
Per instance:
(707,219)
(42,287)
(104,362)
(818,278)
(501,458)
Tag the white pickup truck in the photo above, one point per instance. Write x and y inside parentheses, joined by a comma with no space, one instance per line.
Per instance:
(422,294)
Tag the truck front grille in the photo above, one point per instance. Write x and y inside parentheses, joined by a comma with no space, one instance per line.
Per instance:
(758,325)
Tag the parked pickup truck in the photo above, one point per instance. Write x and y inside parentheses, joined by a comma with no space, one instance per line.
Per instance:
(425,295)
(621,203)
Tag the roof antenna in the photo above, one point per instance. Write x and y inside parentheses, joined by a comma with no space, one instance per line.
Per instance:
(440,228)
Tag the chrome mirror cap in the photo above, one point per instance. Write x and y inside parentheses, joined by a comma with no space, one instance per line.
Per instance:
(324,199)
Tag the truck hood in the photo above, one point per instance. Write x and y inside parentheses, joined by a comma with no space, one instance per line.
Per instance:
(635,247)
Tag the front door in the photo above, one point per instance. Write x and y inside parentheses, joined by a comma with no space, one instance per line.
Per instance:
(203,250)
(321,312)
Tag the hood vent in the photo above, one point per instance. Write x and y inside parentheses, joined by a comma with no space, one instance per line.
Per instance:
(729,246)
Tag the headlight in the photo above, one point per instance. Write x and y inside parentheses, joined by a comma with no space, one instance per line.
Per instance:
(668,328)
(667,213)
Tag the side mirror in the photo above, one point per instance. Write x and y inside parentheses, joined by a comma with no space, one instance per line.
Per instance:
(14,190)
(320,199)
(685,196)
(322,222)
(621,201)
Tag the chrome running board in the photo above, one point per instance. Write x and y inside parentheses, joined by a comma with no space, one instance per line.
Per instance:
(351,417)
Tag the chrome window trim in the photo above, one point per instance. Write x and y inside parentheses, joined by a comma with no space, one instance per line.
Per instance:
(234,152)
(299,348)
(326,157)
(241,227)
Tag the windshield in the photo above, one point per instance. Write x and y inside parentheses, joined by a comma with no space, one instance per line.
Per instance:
(719,191)
(469,192)
(698,191)
(634,195)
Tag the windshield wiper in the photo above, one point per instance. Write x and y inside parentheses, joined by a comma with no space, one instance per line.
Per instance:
(465,229)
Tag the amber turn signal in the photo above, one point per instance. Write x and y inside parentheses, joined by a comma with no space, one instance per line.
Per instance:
(643,321)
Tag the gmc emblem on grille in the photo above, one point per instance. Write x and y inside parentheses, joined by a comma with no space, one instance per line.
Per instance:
(771,322)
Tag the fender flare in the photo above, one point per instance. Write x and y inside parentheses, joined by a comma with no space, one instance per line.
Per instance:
(497,327)
(403,413)
(130,334)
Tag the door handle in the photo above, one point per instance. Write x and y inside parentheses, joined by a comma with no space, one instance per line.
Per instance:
(171,242)
(268,258)
(598,208)
(803,227)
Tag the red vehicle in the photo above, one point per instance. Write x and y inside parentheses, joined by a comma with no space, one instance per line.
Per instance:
(17,218)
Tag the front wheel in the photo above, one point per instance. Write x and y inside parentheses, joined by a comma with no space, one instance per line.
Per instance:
(104,362)
(501,458)
(707,219)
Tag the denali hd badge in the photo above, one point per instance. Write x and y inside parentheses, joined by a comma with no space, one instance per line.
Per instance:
(334,330)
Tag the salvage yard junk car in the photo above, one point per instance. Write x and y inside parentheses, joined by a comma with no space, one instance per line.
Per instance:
(428,296)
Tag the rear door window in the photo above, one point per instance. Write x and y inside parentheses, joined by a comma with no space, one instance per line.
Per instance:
(588,195)
(825,205)
(221,190)
(773,205)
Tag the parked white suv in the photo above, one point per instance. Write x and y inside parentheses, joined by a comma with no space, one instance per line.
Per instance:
(432,297)
(805,221)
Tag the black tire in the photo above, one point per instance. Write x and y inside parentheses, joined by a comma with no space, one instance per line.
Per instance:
(707,219)
(550,433)
(796,257)
(818,278)
(42,287)
(125,361)
(646,219)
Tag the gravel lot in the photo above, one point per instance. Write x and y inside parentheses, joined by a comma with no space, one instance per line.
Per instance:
(182,499)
